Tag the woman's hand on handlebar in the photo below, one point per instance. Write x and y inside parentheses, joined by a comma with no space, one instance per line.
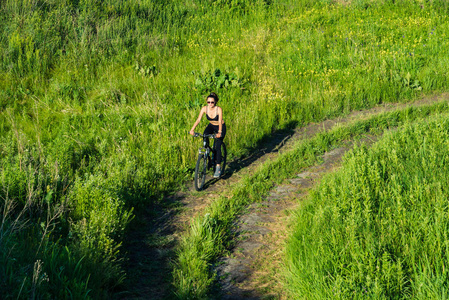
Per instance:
(218,135)
(192,132)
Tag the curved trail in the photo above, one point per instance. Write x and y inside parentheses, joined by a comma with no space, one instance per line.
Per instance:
(248,272)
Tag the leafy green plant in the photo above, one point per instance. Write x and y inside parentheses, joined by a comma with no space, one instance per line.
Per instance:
(217,80)
(98,217)
(145,70)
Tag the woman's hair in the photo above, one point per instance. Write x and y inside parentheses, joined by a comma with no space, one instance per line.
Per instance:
(213,95)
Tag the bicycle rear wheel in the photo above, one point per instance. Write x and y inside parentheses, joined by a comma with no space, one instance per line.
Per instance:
(200,172)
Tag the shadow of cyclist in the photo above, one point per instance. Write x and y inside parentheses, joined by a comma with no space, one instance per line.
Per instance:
(269,143)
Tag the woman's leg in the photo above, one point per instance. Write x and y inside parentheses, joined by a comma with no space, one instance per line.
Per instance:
(218,143)
(209,130)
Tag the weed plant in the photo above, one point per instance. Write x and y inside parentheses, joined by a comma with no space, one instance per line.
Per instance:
(96,98)
(377,229)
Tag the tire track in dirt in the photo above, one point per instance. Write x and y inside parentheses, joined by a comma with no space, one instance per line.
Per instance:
(151,243)
(249,271)
(244,274)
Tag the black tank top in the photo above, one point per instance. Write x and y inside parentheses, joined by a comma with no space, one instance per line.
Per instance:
(210,119)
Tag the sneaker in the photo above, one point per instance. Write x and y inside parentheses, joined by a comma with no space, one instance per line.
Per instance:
(217,172)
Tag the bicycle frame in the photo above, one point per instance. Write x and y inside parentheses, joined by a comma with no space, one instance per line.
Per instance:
(206,149)
(205,161)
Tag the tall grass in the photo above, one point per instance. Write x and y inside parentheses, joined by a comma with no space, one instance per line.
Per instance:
(211,234)
(378,227)
(96,97)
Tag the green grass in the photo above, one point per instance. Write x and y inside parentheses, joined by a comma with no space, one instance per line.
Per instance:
(377,229)
(96,98)
(211,234)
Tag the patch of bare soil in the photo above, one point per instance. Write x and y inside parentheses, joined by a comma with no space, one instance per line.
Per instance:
(150,245)
(249,272)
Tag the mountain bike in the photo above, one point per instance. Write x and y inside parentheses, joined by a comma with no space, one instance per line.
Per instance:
(206,159)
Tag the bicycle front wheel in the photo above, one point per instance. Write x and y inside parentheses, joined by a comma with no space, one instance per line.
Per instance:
(200,172)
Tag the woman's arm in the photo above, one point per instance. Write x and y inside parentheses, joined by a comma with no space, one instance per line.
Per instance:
(220,121)
(198,120)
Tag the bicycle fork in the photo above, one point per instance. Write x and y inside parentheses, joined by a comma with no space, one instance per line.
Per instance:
(206,150)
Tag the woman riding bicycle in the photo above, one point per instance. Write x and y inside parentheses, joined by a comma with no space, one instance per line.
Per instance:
(215,116)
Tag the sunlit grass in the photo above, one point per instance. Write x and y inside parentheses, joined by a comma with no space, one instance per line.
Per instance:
(210,234)
(377,228)
(106,92)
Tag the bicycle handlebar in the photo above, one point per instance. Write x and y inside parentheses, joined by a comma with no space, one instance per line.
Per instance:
(212,135)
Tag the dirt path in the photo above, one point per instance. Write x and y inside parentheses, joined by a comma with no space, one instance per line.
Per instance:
(150,245)
(250,269)
(247,273)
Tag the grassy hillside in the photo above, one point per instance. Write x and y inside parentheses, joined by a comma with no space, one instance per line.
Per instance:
(96,99)
(379,227)
(213,232)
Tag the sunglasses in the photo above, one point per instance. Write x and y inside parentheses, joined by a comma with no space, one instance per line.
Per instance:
(210,102)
